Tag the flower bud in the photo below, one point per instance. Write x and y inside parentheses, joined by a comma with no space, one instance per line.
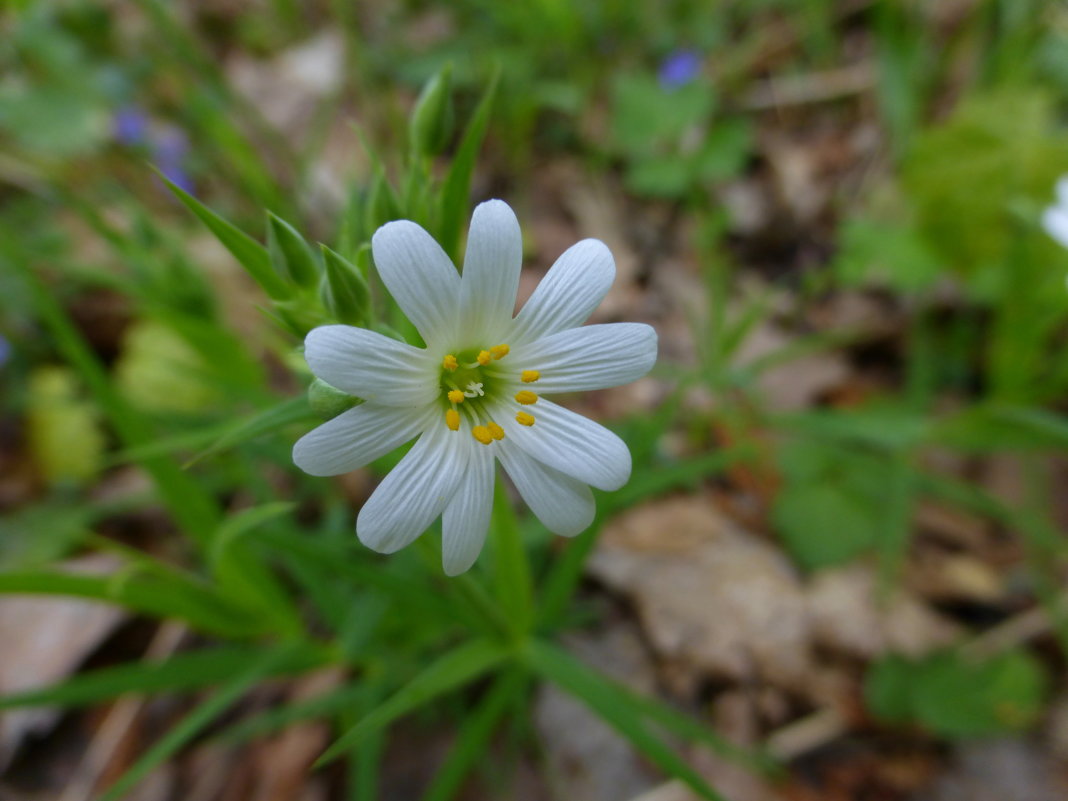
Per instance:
(343,289)
(431,122)
(290,255)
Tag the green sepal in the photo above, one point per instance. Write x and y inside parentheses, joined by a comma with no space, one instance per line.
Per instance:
(328,401)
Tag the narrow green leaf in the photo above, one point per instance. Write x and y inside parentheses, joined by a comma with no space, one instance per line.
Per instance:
(248,252)
(510,565)
(474,735)
(455,669)
(184,672)
(324,705)
(153,595)
(191,725)
(456,190)
(289,253)
(615,708)
(262,422)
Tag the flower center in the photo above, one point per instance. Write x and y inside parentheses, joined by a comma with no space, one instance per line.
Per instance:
(472,381)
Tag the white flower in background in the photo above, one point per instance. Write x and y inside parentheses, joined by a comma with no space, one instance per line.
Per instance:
(1055,218)
(475,394)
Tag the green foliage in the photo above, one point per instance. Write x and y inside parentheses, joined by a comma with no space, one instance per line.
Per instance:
(669,138)
(965,176)
(954,695)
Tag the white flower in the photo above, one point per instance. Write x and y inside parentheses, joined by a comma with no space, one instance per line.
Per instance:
(1055,218)
(475,393)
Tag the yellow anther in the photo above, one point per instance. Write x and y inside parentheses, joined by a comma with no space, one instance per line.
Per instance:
(456,396)
(452,419)
(484,357)
(524,419)
(495,430)
(530,376)
(449,362)
(526,397)
(482,434)
(499,351)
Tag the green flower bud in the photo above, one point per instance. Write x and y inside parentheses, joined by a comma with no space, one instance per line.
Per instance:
(430,125)
(290,255)
(344,290)
(327,401)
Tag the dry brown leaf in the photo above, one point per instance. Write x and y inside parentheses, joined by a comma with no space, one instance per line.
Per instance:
(711,597)
(848,615)
(45,640)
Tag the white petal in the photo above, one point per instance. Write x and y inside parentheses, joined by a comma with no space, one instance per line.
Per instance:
(491,272)
(565,506)
(591,357)
(1062,191)
(356,437)
(371,366)
(414,493)
(467,517)
(571,444)
(568,293)
(420,277)
(1055,221)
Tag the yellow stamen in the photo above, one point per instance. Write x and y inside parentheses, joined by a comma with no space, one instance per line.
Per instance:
(499,351)
(524,419)
(484,357)
(530,376)
(449,362)
(482,434)
(452,419)
(456,396)
(495,430)
(526,397)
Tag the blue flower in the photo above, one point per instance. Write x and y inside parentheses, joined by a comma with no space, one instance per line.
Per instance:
(130,126)
(679,68)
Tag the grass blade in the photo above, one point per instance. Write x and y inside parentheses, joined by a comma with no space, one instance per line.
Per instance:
(455,669)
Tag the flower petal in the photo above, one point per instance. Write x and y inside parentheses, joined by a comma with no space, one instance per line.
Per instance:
(1062,191)
(568,293)
(572,444)
(1055,221)
(420,277)
(491,272)
(414,492)
(467,517)
(564,505)
(591,357)
(356,437)
(371,366)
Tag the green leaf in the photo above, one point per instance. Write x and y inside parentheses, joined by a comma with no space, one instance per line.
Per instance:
(649,118)
(191,725)
(455,669)
(454,200)
(511,568)
(615,708)
(262,422)
(956,696)
(249,253)
(184,672)
(160,596)
(241,574)
(290,254)
(474,736)
(823,524)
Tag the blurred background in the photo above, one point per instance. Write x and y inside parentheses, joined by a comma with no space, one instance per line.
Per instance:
(840,563)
